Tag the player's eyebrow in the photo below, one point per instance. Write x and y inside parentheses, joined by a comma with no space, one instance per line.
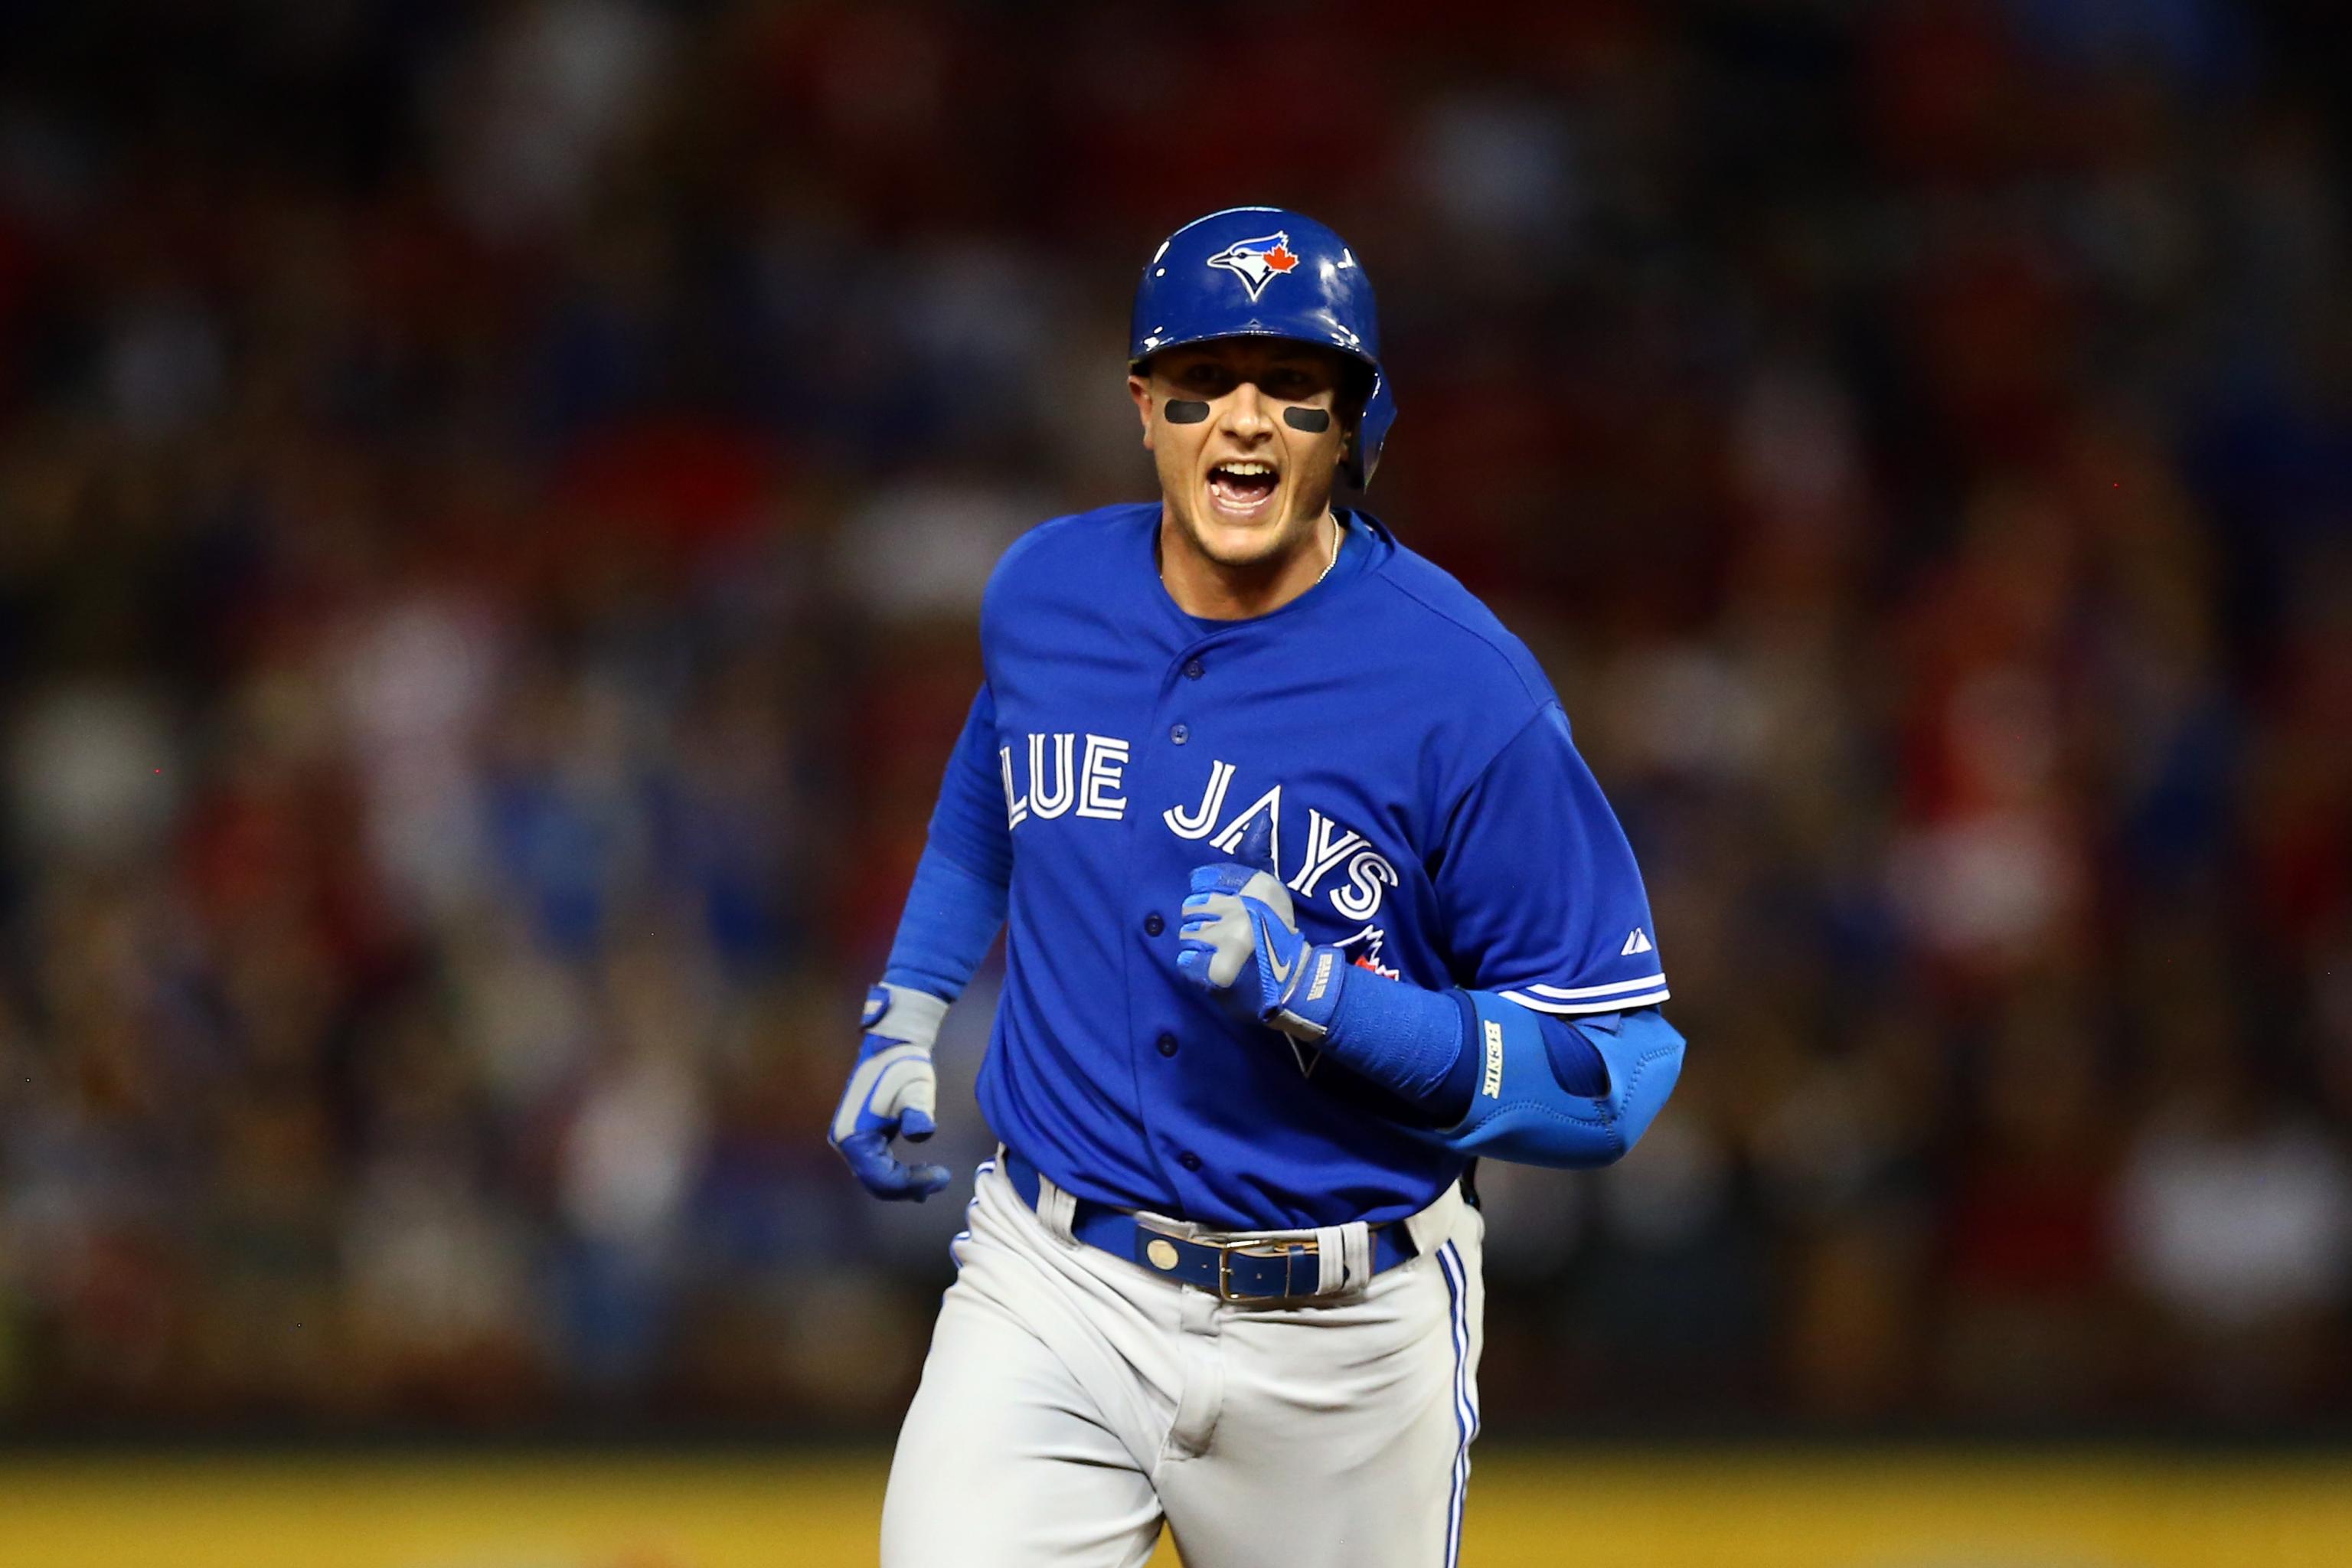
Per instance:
(1300,359)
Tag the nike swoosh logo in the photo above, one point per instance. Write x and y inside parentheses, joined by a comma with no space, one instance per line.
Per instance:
(1281,976)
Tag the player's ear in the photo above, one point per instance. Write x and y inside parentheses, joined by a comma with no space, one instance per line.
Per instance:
(1140,389)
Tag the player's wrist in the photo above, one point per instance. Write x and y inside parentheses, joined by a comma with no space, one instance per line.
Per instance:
(1310,1001)
(900,1015)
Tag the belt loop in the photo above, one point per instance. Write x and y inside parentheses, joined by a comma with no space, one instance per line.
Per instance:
(1331,1259)
(1432,1227)
(1057,1208)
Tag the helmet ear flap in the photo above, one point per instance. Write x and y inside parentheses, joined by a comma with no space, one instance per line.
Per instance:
(1357,382)
(1367,432)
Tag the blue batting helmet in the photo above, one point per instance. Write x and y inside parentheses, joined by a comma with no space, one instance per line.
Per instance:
(1250,272)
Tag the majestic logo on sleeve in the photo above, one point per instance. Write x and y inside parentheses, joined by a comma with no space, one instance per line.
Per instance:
(1256,262)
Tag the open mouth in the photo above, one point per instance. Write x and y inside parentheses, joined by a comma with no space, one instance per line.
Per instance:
(1242,487)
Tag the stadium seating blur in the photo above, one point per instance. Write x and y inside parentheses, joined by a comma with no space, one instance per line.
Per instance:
(492,507)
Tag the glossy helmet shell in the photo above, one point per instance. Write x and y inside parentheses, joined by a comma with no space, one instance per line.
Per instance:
(1266,272)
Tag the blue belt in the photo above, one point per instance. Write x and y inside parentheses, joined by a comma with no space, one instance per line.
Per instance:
(1239,1270)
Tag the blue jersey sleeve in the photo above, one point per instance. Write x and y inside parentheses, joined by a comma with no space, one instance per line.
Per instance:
(968,826)
(1540,895)
(957,904)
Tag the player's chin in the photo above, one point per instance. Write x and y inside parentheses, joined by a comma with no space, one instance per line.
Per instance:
(1240,536)
(1237,548)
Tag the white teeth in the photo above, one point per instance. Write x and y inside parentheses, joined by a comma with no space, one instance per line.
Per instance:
(1246,470)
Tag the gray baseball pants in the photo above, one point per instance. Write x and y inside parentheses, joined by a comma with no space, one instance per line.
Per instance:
(1072,1400)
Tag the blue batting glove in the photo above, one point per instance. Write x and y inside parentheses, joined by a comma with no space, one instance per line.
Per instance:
(1239,939)
(892,1093)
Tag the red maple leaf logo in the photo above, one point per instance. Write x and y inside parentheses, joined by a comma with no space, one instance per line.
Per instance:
(1280,260)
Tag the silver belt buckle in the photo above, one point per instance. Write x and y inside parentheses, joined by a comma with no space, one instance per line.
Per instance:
(1290,1252)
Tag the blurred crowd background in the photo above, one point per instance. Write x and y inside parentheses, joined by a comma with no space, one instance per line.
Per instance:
(492,505)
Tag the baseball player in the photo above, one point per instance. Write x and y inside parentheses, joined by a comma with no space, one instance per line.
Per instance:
(1312,902)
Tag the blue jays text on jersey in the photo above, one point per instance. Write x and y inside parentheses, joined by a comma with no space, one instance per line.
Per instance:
(1429,814)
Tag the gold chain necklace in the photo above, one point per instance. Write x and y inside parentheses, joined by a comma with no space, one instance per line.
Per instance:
(1336,532)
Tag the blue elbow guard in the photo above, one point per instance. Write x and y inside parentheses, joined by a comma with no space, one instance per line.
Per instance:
(1519,1111)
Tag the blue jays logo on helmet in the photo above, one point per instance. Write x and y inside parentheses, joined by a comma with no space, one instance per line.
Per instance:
(1298,281)
(1257,262)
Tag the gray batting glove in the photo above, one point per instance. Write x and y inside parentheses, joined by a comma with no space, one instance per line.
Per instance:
(892,1093)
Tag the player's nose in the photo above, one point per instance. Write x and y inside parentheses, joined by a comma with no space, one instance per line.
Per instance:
(1246,411)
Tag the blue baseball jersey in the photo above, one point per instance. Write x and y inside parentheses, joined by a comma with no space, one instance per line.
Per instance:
(1430,815)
